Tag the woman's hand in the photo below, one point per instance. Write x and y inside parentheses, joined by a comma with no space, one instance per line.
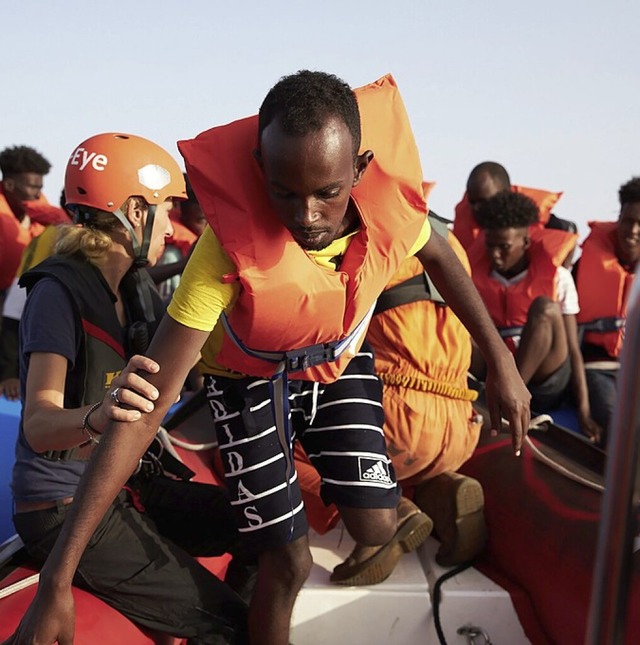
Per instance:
(130,395)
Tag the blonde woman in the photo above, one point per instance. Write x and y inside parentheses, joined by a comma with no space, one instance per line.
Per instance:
(91,306)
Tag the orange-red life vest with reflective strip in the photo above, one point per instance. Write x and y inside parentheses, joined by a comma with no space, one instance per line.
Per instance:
(509,305)
(603,287)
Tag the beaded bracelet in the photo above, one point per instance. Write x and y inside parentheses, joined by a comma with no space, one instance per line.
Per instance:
(88,429)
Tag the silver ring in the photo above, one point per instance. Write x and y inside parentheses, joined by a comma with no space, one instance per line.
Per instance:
(114,397)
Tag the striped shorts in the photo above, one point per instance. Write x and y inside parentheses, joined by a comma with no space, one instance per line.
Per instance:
(338,424)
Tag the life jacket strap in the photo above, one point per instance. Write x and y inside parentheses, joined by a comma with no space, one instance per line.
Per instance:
(510,332)
(299,360)
(603,325)
(296,360)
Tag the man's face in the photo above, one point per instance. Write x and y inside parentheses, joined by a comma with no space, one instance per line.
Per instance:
(481,189)
(507,250)
(629,233)
(193,218)
(309,179)
(161,230)
(24,187)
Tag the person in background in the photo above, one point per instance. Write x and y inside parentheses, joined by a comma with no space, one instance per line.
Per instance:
(422,356)
(188,225)
(604,275)
(306,228)
(90,313)
(38,249)
(486,180)
(532,300)
(24,211)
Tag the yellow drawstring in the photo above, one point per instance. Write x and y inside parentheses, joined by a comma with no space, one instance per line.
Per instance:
(429,385)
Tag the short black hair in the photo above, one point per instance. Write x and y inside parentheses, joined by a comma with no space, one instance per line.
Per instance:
(191,196)
(20,159)
(305,100)
(507,210)
(495,170)
(629,193)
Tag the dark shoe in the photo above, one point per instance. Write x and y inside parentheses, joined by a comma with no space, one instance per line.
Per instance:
(456,505)
(360,568)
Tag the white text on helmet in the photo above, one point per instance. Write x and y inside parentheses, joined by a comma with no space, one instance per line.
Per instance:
(82,158)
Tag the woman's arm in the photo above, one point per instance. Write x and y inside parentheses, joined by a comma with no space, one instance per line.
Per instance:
(48,425)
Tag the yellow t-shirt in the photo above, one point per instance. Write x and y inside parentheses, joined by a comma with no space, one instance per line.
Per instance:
(202,295)
(40,248)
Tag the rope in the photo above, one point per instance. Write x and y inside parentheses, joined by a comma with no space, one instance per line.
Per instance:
(563,470)
(429,385)
(195,447)
(19,586)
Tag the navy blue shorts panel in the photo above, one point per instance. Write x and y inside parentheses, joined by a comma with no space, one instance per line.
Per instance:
(268,511)
(340,427)
(345,441)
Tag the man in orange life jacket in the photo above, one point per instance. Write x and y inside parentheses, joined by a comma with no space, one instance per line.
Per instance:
(22,171)
(532,299)
(489,178)
(422,354)
(306,229)
(604,275)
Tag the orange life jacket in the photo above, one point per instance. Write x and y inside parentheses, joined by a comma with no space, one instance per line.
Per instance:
(465,226)
(287,301)
(422,353)
(603,289)
(509,305)
(14,238)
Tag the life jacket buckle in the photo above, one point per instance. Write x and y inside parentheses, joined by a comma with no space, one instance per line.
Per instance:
(299,360)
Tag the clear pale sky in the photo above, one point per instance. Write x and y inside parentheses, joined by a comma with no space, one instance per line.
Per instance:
(550,89)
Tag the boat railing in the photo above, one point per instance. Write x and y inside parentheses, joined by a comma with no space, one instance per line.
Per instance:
(613,568)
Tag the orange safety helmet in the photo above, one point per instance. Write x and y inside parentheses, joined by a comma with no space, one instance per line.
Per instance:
(107,169)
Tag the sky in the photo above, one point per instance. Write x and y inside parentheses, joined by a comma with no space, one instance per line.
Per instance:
(550,89)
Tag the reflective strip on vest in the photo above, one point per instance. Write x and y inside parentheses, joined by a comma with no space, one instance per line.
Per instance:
(603,325)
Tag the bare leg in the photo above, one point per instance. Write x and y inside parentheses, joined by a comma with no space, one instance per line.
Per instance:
(543,346)
(370,526)
(382,536)
(281,574)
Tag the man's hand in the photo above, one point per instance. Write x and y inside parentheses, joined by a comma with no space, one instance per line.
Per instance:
(506,393)
(10,387)
(507,396)
(590,428)
(49,619)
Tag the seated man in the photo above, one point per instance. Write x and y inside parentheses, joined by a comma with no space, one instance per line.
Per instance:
(604,274)
(532,300)
(423,353)
(489,178)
